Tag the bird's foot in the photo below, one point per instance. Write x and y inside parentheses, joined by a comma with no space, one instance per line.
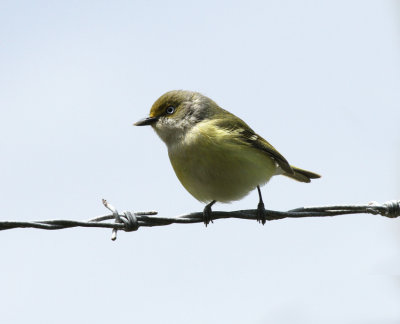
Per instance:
(207,213)
(261,213)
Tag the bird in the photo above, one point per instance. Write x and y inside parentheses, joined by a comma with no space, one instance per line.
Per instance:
(216,156)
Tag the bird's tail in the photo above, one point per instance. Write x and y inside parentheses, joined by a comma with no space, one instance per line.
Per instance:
(302,175)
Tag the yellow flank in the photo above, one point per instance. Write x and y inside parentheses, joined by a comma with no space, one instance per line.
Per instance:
(212,164)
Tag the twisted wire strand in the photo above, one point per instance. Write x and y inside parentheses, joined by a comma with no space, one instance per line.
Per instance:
(131,221)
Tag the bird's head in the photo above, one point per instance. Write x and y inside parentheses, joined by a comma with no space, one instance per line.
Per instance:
(177,112)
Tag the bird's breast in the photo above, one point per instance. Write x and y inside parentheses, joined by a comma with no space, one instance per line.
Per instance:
(213,165)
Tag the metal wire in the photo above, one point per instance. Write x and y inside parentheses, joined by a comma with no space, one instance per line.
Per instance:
(132,221)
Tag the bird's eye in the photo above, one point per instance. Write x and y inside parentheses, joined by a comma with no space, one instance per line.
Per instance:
(170,110)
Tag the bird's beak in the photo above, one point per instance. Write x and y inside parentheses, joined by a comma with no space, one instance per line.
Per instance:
(146,121)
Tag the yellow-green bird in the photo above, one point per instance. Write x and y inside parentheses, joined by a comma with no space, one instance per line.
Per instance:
(216,155)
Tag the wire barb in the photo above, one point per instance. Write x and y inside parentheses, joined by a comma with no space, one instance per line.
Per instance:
(392,208)
(131,221)
(128,219)
(116,217)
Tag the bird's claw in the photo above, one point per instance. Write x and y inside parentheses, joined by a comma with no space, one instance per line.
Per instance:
(207,215)
(261,213)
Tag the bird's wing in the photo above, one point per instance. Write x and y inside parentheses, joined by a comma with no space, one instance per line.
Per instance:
(247,135)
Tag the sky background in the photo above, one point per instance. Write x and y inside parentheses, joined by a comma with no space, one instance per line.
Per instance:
(320,80)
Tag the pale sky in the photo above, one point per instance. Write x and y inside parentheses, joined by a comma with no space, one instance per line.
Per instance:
(320,80)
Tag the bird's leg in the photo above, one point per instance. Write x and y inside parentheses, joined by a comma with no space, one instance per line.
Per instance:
(261,212)
(207,213)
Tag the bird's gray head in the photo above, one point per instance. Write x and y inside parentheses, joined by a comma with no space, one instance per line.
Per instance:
(176,112)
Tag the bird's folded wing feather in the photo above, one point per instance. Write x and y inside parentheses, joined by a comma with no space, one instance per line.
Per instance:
(247,135)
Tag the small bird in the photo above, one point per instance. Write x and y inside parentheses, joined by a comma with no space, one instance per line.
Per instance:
(216,155)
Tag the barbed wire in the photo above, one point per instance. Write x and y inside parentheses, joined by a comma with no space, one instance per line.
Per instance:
(132,221)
